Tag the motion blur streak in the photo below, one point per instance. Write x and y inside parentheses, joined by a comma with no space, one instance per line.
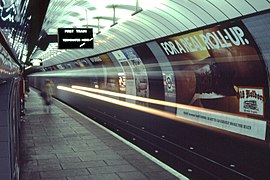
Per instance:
(134,106)
(118,102)
(153,101)
(148,100)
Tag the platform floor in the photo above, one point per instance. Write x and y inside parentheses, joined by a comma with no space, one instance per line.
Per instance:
(65,145)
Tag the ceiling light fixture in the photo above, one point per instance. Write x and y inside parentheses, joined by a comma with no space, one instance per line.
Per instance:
(114,20)
(138,8)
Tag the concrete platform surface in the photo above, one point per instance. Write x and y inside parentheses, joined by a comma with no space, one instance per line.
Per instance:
(65,145)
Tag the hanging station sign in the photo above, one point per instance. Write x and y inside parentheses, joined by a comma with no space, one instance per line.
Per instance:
(75,38)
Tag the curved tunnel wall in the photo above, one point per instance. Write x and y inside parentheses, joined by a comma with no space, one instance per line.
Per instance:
(9,113)
(162,18)
(216,79)
(9,128)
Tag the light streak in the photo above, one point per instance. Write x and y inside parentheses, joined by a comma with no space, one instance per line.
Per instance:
(143,99)
(135,106)
(185,115)
(119,102)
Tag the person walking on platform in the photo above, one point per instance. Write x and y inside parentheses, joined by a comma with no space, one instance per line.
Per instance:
(46,93)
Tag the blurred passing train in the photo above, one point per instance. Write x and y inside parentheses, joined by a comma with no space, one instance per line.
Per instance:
(199,101)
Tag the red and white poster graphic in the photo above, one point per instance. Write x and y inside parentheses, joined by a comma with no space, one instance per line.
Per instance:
(251,101)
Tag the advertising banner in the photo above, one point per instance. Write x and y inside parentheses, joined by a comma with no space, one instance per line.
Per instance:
(251,101)
(140,75)
(169,84)
(167,74)
(240,125)
(211,64)
(220,68)
(110,75)
(127,77)
(116,60)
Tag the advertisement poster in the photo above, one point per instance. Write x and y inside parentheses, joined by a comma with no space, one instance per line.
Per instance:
(139,71)
(99,81)
(111,77)
(241,125)
(167,74)
(128,78)
(85,62)
(169,85)
(122,82)
(116,60)
(96,60)
(211,64)
(211,68)
(251,101)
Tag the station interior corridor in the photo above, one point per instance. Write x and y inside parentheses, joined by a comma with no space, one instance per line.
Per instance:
(142,89)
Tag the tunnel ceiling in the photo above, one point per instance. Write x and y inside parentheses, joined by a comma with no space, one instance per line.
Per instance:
(137,21)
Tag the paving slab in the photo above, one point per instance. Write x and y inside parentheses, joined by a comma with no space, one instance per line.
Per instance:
(64,145)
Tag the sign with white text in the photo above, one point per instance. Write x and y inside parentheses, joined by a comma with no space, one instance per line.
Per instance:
(75,38)
(241,125)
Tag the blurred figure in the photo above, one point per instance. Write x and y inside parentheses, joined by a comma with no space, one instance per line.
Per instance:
(47,92)
(27,87)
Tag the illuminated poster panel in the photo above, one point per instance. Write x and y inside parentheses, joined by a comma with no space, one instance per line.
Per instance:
(251,101)
(237,124)
(167,73)
(128,79)
(211,65)
(111,79)
(8,67)
(120,73)
(140,75)
(98,81)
